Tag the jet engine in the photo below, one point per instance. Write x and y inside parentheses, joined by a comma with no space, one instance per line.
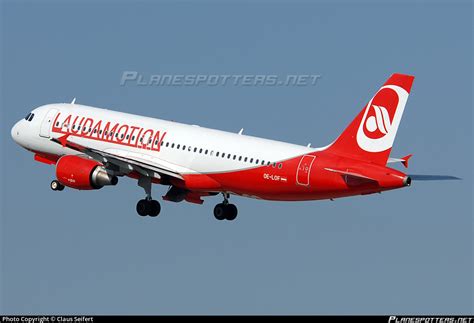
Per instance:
(83,174)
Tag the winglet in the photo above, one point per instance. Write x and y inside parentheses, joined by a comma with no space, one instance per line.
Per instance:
(405,160)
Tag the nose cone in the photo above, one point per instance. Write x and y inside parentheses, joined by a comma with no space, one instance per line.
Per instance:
(18,133)
(15,132)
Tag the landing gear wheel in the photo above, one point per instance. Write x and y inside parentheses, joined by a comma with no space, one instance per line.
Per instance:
(148,207)
(220,211)
(155,208)
(143,207)
(56,186)
(231,212)
(223,211)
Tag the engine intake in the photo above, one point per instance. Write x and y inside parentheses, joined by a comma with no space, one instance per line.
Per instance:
(83,174)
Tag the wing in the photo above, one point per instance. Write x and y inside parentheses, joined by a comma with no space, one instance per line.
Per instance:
(122,160)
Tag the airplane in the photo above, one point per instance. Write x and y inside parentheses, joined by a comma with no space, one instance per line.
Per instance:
(92,147)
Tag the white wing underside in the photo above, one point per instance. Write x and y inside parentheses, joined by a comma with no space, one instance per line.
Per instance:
(126,161)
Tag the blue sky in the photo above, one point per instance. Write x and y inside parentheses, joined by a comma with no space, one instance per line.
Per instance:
(406,251)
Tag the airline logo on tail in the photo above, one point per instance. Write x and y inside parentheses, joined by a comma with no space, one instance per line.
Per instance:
(379,123)
(381,118)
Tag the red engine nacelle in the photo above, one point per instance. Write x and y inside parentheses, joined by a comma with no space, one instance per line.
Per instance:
(83,174)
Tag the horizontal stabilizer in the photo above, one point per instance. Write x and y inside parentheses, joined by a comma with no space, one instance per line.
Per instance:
(352,178)
(403,160)
(433,177)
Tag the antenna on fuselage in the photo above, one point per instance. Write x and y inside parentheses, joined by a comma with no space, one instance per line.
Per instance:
(241,131)
(309,145)
(73,101)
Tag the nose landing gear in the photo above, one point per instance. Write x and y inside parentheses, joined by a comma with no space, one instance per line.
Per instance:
(56,185)
(225,210)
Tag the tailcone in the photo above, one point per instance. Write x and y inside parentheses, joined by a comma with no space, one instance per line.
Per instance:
(407,181)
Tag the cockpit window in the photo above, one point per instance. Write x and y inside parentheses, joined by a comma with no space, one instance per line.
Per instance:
(29,116)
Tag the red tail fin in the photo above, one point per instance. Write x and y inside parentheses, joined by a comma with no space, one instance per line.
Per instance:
(371,134)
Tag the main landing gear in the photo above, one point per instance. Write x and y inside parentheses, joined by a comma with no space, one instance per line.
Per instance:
(147,206)
(225,210)
(56,186)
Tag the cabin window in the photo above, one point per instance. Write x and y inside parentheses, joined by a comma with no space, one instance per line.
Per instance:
(235,156)
(177,147)
(251,160)
(167,144)
(200,150)
(57,124)
(95,131)
(217,154)
(195,149)
(206,151)
(28,116)
(245,159)
(280,165)
(172,145)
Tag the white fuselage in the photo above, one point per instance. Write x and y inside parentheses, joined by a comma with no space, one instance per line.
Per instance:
(205,150)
